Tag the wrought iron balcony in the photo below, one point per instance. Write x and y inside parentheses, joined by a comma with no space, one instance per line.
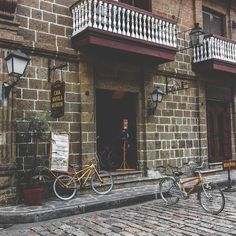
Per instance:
(119,26)
(216,54)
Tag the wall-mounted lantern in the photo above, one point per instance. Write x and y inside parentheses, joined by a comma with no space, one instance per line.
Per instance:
(17,62)
(196,36)
(155,97)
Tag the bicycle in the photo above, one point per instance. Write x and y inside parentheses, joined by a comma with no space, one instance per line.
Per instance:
(65,186)
(210,196)
(108,156)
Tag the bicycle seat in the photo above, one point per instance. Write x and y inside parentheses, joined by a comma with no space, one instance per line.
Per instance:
(178,173)
(75,166)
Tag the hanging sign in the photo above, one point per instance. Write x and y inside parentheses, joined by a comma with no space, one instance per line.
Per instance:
(57,99)
(59,155)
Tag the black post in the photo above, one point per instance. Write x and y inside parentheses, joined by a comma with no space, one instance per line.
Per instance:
(229,180)
(229,187)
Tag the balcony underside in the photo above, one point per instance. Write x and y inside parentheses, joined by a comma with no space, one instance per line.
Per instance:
(215,66)
(91,37)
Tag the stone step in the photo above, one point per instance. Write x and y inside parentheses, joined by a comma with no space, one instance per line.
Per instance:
(137,182)
(215,165)
(128,183)
(126,174)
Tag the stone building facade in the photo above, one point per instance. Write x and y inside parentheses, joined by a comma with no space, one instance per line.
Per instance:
(111,73)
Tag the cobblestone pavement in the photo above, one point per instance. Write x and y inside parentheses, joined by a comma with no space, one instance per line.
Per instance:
(150,218)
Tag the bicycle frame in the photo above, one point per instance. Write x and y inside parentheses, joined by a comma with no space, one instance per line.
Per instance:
(83,175)
(183,182)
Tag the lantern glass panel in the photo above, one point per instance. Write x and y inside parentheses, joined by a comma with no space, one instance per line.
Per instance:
(154,96)
(19,66)
(9,66)
(160,96)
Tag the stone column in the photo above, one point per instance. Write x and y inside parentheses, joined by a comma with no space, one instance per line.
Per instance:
(7,152)
(88,126)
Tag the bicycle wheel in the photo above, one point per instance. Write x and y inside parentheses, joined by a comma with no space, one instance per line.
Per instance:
(113,159)
(169,190)
(104,185)
(211,198)
(64,187)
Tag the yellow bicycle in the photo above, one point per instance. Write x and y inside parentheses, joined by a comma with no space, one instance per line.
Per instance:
(65,186)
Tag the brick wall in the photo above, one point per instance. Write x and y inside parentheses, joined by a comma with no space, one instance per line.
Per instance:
(46,23)
(176,132)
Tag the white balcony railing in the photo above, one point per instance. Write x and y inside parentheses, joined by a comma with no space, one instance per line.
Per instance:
(215,48)
(120,19)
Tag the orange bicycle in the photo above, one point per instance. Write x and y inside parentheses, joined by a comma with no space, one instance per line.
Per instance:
(210,196)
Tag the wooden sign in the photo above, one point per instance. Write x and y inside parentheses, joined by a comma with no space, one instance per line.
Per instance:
(59,156)
(231,164)
(57,99)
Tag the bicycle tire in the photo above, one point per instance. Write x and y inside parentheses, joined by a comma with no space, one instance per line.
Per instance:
(60,189)
(105,186)
(211,198)
(113,159)
(168,188)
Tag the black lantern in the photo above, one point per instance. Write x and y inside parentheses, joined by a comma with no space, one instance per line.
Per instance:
(17,62)
(196,36)
(157,95)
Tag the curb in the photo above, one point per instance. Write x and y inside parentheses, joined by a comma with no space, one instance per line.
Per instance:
(37,216)
(64,211)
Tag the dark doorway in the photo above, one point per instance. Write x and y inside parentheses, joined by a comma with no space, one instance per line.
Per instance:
(219,131)
(112,107)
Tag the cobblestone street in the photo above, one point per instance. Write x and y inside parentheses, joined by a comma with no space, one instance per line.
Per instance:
(151,218)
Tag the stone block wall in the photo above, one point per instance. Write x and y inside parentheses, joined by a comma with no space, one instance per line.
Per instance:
(175,134)
(33,98)
(48,24)
(7,150)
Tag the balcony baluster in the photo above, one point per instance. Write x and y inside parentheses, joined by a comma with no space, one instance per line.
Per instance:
(119,19)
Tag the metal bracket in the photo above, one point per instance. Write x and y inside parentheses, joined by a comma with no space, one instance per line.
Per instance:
(50,69)
(173,86)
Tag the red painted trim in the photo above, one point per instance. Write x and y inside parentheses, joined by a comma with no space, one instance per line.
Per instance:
(215,65)
(92,36)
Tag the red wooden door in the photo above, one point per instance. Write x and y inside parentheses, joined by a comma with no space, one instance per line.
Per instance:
(218,131)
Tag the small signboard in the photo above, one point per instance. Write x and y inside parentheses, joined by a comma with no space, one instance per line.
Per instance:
(59,156)
(57,99)
(231,164)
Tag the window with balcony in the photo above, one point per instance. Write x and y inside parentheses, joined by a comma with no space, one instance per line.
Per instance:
(142,4)
(213,22)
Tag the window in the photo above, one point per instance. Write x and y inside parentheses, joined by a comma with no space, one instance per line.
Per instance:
(143,4)
(213,22)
